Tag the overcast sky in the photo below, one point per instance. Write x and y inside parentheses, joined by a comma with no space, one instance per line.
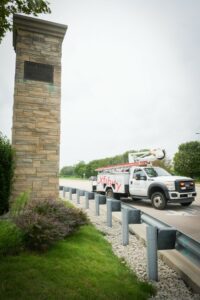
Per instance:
(130,76)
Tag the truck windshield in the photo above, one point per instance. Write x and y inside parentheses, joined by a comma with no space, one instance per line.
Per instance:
(156,171)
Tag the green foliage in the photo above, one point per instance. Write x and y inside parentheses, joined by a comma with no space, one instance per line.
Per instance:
(67,171)
(86,170)
(10,7)
(19,204)
(187,159)
(91,166)
(11,238)
(45,222)
(80,169)
(6,172)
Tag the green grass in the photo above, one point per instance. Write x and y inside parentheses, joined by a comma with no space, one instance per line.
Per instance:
(11,238)
(80,267)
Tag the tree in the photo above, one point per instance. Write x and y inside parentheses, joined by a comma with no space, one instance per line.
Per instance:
(80,169)
(67,171)
(187,159)
(10,7)
(6,172)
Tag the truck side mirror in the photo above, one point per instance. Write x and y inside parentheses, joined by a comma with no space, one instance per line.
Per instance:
(143,177)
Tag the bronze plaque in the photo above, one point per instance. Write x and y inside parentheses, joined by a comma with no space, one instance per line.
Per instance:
(38,72)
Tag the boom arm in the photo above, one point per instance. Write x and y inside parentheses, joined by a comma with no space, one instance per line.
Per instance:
(149,155)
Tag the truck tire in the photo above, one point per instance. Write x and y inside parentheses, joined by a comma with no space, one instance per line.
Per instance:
(186,204)
(158,200)
(109,193)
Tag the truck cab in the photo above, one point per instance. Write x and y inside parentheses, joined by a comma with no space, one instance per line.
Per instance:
(160,187)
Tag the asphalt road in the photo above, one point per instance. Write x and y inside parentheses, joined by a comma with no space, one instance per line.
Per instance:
(185,219)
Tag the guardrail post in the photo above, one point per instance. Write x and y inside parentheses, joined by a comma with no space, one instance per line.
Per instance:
(99,199)
(88,196)
(64,191)
(109,213)
(125,227)
(112,205)
(152,259)
(86,200)
(78,196)
(70,194)
(71,191)
(96,199)
(129,216)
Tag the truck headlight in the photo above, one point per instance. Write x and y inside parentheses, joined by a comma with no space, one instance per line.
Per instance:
(170,185)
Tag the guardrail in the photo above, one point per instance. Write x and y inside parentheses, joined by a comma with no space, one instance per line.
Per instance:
(159,235)
(184,243)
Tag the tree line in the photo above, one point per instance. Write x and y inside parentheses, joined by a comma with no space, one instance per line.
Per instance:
(85,170)
(186,162)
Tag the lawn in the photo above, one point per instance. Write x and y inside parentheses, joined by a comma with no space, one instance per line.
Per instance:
(80,267)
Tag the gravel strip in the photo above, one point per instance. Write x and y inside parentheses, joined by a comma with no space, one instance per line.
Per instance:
(169,287)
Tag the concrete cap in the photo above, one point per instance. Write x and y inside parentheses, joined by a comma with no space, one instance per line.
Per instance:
(38,26)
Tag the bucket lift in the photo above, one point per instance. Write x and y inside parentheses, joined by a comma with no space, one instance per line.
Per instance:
(140,159)
(149,155)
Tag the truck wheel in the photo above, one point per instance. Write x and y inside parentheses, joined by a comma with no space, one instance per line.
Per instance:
(186,204)
(158,200)
(109,193)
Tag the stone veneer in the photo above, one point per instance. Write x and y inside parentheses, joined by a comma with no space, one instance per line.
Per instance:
(36,111)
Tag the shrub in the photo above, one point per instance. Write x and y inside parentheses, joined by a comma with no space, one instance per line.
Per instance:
(6,172)
(46,221)
(11,238)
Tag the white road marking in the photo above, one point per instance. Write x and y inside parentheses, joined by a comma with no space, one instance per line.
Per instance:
(187,212)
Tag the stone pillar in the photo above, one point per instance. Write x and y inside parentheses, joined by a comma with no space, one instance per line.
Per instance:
(36,111)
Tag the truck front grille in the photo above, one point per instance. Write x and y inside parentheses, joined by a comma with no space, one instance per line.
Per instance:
(183,186)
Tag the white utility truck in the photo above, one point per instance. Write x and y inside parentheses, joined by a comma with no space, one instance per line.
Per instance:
(138,179)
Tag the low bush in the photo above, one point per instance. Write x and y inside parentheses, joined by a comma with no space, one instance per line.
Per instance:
(46,221)
(11,238)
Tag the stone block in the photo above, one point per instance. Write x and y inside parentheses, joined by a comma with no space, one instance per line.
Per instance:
(25,171)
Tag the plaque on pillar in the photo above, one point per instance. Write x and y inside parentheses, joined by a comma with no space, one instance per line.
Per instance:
(37,71)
